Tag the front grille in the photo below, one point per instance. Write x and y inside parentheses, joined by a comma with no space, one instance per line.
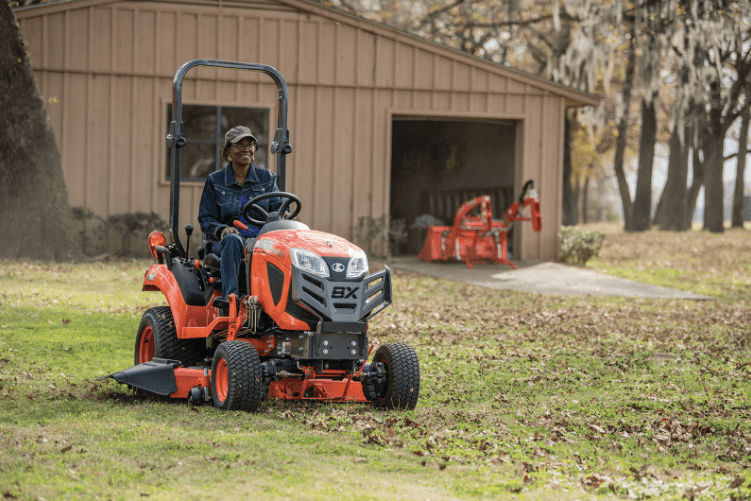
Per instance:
(344,302)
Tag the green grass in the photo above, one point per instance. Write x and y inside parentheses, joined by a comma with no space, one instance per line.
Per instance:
(522,397)
(704,263)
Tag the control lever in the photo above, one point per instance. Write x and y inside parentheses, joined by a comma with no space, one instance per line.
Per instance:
(188,232)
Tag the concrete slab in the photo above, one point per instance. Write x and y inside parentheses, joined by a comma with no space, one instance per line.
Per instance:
(541,278)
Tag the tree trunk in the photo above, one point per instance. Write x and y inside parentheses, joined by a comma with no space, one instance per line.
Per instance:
(696,184)
(585,199)
(714,160)
(620,145)
(35,219)
(570,202)
(740,175)
(659,209)
(642,210)
(673,213)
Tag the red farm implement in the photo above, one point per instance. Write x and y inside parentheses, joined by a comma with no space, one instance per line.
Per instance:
(480,238)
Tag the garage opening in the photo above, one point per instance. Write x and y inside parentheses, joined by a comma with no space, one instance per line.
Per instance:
(438,164)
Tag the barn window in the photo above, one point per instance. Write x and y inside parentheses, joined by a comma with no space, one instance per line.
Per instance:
(204,127)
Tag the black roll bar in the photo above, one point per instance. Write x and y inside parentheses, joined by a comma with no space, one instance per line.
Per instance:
(175,140)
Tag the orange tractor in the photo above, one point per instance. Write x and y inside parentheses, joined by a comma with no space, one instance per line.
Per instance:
(300,329)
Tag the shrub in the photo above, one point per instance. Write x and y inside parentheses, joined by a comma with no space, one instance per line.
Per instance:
(580,246)
(121,235)
(370,233)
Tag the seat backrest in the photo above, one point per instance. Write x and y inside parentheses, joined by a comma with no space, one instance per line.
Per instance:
(212,261)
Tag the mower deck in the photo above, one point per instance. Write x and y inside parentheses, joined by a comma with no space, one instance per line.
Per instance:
(166,378)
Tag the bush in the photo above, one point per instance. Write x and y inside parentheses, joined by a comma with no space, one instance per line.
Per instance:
(370,233)
(122,235)
(580,246)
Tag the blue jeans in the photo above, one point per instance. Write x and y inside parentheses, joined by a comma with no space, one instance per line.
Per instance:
(230,249)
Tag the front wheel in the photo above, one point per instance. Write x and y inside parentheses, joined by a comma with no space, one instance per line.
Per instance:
(236,377)
(403,377)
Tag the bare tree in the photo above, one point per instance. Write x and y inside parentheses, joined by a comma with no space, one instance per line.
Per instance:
(620,147)
(570,215)
(719,53)
(34,211)
(740,175)
(673,214)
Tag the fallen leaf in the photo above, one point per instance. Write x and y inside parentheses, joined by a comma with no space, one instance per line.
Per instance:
(598,428)
(737,482)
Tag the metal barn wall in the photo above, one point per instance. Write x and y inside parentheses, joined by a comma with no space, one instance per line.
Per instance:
(105,70)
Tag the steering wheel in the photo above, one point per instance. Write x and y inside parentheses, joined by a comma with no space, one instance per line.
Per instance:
(269,217)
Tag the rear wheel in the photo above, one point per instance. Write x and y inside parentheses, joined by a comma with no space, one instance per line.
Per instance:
(402,388)
(236,377)
(157,338)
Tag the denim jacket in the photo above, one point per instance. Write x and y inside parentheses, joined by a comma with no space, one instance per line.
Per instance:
(223,199)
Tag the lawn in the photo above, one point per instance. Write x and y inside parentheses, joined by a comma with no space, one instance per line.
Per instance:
(523,396)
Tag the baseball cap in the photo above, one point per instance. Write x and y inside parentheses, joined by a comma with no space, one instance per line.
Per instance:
(236,134)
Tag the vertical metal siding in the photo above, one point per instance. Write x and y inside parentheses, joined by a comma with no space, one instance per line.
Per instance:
(362,186)
(140,182)
(97,139)
(533,155)
(308,53)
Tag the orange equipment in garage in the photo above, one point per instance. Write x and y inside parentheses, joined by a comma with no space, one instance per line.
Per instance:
(476,239)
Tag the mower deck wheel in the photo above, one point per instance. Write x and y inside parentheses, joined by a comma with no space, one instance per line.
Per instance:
(403,368)
(236,377)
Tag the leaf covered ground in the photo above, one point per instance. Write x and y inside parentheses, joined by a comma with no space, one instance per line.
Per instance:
(522,396)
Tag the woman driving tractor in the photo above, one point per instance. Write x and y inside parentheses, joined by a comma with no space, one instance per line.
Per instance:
(225,194)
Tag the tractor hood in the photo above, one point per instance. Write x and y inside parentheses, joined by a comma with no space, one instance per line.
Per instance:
(323,244)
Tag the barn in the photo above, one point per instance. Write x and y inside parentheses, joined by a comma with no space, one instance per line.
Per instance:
(383,125)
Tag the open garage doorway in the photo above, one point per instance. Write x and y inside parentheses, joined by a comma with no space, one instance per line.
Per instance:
(438,164)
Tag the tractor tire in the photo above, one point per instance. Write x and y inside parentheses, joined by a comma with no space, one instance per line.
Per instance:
(403,385)
(236,377)
(157,338)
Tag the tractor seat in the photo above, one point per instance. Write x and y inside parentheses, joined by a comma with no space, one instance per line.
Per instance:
(212,261)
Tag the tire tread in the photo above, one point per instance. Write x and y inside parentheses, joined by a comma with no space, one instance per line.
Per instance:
(167,344)
(404,376)
(245,385)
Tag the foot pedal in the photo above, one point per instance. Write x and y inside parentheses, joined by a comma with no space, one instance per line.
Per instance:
(222,305)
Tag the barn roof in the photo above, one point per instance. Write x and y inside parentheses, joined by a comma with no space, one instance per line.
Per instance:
(574,98)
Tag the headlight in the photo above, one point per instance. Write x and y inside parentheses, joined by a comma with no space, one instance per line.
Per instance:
(309,261)
(358,265)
